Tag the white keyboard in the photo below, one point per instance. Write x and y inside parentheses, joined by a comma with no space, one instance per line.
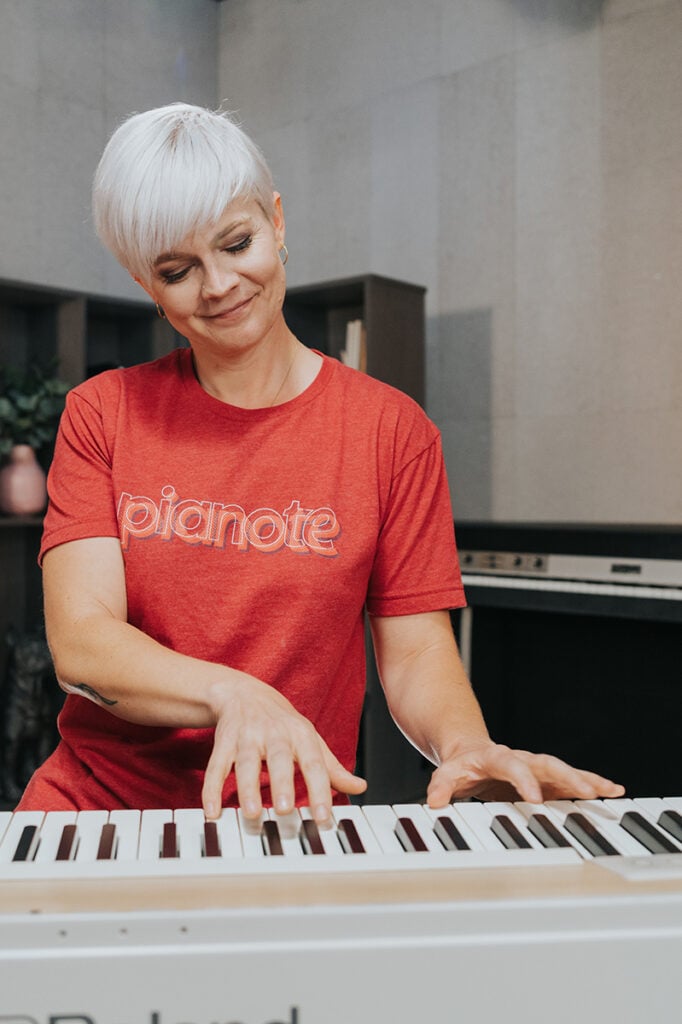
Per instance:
(567,586)
(643,836)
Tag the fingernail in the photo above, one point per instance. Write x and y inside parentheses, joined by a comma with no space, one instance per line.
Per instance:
(281,804)
(321,813)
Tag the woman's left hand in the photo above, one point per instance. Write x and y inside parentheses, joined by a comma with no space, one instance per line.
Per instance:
(491,771)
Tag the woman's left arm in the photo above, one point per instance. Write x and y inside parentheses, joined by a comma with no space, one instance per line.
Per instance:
(432,702)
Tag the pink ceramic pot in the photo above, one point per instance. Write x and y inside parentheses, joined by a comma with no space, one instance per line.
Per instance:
(23,490)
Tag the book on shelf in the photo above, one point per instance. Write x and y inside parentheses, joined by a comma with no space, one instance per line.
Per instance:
(355,352)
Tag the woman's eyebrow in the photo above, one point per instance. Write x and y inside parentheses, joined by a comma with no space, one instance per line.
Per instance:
(174,254)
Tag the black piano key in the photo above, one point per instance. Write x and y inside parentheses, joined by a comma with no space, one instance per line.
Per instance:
(544,829)
(582,829)
(169,840)
(310,837)
(270,837)
(408,836)
(211,840)
(449,835)
(348,836)
(647,834)
(106,849)
(28,842)
(671,821)
(506,831)
(67,843)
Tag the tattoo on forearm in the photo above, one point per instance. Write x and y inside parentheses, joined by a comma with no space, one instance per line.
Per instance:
(89,691)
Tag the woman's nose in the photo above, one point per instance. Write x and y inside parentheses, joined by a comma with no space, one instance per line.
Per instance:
(218,280)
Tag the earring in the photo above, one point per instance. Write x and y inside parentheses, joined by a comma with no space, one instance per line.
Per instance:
(159,312)
(284,254)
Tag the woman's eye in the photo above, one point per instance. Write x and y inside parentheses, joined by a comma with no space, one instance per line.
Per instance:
(172,277)
(241,245)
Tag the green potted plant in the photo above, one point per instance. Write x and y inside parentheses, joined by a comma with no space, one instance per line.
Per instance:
(31,402)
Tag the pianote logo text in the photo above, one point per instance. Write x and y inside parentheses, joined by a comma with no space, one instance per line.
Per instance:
(213,524)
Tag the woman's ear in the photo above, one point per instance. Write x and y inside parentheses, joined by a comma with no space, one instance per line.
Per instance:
(138,280)
(278,218)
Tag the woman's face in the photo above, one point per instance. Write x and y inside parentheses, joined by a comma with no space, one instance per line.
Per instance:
(223,287)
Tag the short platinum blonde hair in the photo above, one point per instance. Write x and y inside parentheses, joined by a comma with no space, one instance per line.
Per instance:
(166,172)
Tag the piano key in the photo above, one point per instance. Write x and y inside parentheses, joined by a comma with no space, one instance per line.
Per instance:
(106,849)
(516,816)
(90,825)
(10,840)
(350,837)
(671,821)
(311,840)
(151,832)
(448,834)
(51,830)
(382,820)
(351,812)
(647,834)
(423,822)
(546,832)
(585,831)
(250,831)
(211,840)
(5,819)
(189,823)
(653,808)
(272,843)
(508,833)
(408,836)
(289,826)
(168,847)
(68,843)
(127,824)
(28,843)
(329,837)
(459,822)
(479,820)
(229,833)
(607,821)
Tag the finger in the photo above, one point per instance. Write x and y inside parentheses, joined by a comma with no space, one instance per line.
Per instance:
(557,776)
(280,762)
(247,768)
(218,768)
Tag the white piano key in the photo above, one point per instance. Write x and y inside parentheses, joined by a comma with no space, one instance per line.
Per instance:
(328,836)
(127,824)
(151,833)
(383,820)
(422,822)
(674,803)
(20,820)
(190,832)
(364,830)
(465,830)
(51,834)
(90,824)
(479,821)
(607,822)
(229,833)
(5,819)
(289,826)
(250,830)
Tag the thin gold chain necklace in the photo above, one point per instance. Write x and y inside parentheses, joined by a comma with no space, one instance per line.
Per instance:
(285,377)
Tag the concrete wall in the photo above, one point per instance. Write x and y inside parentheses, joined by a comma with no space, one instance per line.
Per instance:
(523,160)
(70,71)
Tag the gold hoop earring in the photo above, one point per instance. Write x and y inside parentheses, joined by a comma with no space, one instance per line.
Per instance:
(159,312)
(284,255)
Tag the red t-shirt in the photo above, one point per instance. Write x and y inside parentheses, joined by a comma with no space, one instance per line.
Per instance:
(253,538)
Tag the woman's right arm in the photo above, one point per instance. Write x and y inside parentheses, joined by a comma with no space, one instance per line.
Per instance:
(98,655)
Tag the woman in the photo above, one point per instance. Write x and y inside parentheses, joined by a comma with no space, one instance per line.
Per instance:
(219,520)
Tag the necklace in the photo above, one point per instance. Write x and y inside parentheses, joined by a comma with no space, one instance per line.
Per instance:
(285,377)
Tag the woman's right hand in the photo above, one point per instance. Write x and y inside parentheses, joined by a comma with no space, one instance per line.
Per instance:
(255,724)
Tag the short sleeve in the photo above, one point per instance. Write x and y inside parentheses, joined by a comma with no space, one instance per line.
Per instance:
(416,568)
(81,498)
